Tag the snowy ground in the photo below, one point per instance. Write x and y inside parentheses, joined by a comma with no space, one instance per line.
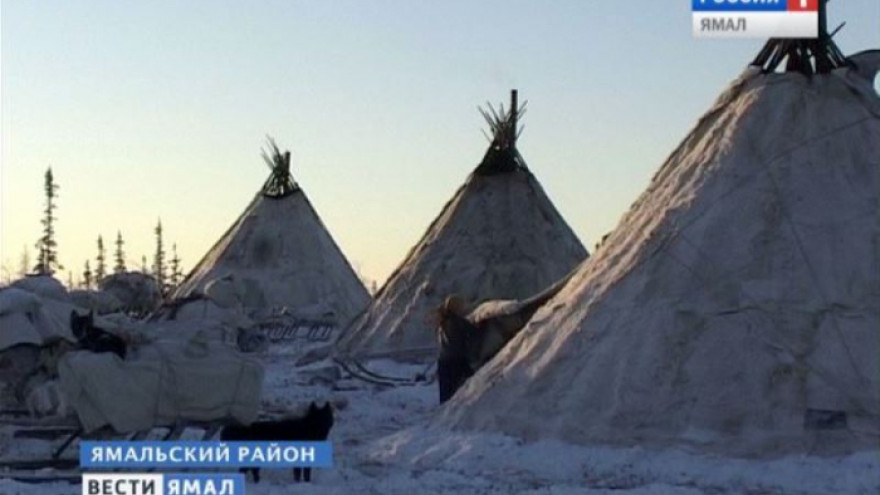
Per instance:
(384,445)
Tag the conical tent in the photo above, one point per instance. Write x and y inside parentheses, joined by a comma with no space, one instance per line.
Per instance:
(282,253)
(736,307)
(500,237)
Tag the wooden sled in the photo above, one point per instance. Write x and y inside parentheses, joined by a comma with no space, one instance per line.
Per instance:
(66,468)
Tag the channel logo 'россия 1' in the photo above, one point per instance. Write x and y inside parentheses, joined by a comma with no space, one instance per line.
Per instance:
(755,18)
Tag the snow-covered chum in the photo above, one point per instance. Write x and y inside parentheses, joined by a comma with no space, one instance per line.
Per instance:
(736,306)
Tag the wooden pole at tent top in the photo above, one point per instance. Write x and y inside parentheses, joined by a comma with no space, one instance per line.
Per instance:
(514,110)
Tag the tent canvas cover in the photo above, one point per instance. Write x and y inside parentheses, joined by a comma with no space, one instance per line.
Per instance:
(499,237)
(736,307)
(163,384)
(282,254)
(36,311)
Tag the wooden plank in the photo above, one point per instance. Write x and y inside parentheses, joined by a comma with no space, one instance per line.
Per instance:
(211,431)
(28,421)
(140,435)
(16,413)
(174,432)
(405,354)
(34,464)
(514,116)
(73,436)
(44,433)
(30,477)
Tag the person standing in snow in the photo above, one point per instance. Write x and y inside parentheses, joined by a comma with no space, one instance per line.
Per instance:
(453,331)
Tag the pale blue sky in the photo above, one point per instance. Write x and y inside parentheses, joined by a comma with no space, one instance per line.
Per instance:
(150,109)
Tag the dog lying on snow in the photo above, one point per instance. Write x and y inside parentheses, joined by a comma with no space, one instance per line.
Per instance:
(313,427)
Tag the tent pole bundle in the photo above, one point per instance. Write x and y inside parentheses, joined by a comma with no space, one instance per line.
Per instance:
(807,56)
(502,155)
(281,182)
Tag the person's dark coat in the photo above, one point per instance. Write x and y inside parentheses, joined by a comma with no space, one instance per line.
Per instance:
(453,365)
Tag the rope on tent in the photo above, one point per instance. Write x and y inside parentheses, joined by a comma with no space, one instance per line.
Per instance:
(679,232)
(812,271)
(828,377)
(746,179)
(776,345)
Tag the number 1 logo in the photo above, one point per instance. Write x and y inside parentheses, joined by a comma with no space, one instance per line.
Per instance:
(803,5)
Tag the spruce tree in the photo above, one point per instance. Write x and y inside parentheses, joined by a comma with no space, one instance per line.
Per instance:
(47,261)
(25,264)
(176,273)
(101,265)
(159,260)
(87,277)
(119,255)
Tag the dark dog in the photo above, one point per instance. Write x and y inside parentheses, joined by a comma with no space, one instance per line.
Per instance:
(313,427)
(92,338)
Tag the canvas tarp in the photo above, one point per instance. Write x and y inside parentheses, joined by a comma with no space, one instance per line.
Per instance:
(30,318)
(168,381)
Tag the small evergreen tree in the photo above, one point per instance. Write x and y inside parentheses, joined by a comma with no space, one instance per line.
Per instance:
(159,260)
(101,265)
(87,277)
(47,261)
(119,254)
(176,273)
(69,280)
(25,267)
(144,264)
